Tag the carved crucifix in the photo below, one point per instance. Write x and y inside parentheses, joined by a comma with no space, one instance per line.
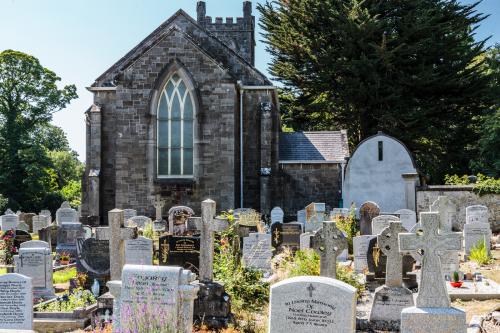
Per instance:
(209,225)
(119,234)
(431,244)
(328,242)
(159,204)
(388,243)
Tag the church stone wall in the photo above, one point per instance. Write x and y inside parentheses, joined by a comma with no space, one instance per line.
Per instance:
(302,184)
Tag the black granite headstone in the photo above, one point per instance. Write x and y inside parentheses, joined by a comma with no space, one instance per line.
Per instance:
(93,257)
(21,237)
(286,235)
(181,251)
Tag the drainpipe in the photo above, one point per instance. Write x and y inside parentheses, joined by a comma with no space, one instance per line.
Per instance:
(242,91)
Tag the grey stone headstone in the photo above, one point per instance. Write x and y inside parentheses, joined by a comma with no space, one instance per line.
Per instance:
(23,226)
(447,212)
(102,233)
(360,249)
(35,261)
(329,242)
(477,227)
(257,251)
(138,221)
(305,240)
(277,215)
(128,214)
(476,214)
(48,214)
(66,214)
(379,223)
(16,307)
(139,251)
(312,304)
(67,234)
(315,215)
(367,212)
(40,222)
(407,217)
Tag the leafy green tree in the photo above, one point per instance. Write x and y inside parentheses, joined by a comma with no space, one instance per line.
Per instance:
(409,68)
(51,137)
(28,97)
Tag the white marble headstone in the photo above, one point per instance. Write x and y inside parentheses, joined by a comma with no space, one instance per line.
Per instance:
(66,214)
(379,223)
(312,304)
(277,215)
(16,305)
(9,221)
(476,228)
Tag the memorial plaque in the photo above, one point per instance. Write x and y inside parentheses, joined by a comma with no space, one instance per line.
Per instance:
(181,251)
(312,304)
(16,305)
(257,251)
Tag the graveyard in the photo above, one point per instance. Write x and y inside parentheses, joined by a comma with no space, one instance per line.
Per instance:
(304,167)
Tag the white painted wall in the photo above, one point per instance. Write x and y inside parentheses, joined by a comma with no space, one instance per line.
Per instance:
(368,179)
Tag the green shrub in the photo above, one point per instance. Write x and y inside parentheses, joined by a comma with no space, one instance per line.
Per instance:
(3,204)
(348,225)
(306,262)
(483,185)
(148,231)
(479,253)
(68,303)
(64,276)
(243,284)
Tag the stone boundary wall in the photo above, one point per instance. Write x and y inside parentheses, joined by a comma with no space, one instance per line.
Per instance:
(462,196)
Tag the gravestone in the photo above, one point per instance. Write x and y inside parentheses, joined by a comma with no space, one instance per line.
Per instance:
(158,204)
(93,258)
(21,237)
(67,234)
(102,233)
(360,249)
(312,304)
(16,305)
(161,296)
(315,215)
(183,251)
(213,307)
(128,214)
(407,217)
(257,251)
(286,235)
(35,261)
(45,235)
(477,228)
(177,219)
(139,251)
(28,219)
(329,242)
(23,226)
(66,214)
(9,221)
(433,302)
(305,240)
(367,212)
(277,215)
(339,212)
(40,222)
(379,223)
(118,234)
(391,298)
(301,216)
(88,231)
(193,225)
(46,213)
(447,212)
(138,221)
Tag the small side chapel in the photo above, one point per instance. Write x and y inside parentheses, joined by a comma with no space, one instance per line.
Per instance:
(186,115)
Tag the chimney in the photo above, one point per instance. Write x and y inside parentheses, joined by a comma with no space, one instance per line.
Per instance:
(201,11)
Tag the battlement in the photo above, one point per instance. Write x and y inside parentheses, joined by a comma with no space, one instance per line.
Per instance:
(238,33)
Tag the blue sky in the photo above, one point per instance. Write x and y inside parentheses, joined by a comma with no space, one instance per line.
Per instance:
(80,39)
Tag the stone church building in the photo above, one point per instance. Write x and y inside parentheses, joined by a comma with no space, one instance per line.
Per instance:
(186,115)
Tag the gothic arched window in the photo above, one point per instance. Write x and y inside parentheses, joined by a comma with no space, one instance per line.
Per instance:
(176,113)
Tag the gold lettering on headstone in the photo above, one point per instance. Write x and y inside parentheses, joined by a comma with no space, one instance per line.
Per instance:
(165,249)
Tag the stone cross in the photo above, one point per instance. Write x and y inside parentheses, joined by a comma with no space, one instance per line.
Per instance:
(329,242)
(431,243)
(159,204)
(388,244)
(119,234)
(208,227)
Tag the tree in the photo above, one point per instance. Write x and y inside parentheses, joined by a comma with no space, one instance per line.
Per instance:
(28,98)
(409,68)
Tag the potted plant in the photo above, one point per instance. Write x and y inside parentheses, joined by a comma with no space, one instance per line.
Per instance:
(456,283)
(64,258)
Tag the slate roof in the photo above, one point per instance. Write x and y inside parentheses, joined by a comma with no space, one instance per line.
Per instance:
(314,146)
